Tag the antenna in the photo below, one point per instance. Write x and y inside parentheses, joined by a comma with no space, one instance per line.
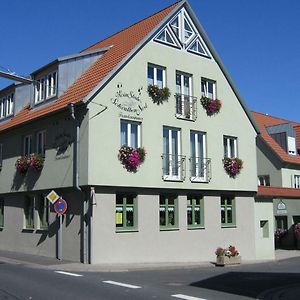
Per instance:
(13,76)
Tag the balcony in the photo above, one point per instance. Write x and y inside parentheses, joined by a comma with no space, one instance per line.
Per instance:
(186,107)
(200,169)
(173,167)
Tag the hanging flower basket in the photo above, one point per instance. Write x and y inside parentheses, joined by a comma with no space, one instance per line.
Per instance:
(158,95)
(232,166)
(36,162)
(211,106)
(131,158)
(22,164)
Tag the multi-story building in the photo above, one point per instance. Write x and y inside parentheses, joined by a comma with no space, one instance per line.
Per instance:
(278,164)
(154,168)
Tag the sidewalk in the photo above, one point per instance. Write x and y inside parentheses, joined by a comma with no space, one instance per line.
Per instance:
(37,261)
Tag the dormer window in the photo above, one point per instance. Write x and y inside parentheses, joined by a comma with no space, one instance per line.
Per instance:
(7,106)
(46,87)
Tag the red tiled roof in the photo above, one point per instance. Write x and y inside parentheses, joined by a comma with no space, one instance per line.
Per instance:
(121,45)
(263,121)
(276,191)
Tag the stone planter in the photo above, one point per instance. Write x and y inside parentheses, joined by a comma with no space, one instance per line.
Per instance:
(225,260)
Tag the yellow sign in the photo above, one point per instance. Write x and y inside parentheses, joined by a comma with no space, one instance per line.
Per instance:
(119,218)
(52,197)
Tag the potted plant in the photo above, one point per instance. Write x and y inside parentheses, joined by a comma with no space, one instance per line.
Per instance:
(211,106)
(297,234)
(227,256)
(22,164)
(36,162)
(278,235)
(131,158)
(158,95)
(232,166)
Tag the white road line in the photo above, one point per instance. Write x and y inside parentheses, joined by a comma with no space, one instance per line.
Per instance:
(185,297)
(67,273)
(122,284)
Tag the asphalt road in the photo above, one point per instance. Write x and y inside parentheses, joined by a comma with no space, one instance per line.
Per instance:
(272,280)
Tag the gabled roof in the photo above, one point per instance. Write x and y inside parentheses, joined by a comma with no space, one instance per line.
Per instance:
(120,48)
(277,192)
(120,45)
(264,121)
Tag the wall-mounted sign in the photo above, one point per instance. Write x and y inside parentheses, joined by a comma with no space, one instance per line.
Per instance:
(52,197)
(129,101)
(281,208)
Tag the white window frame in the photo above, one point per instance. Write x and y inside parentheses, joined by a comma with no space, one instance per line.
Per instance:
(129,130)
(7,106)
(262,180)
(155,69)
(29,139)
(197,136)
(170,175)
(46,87)
(41,135)
(205,93)
(227,140)
(297,181)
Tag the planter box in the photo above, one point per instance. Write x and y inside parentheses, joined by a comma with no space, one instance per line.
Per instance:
(225,260)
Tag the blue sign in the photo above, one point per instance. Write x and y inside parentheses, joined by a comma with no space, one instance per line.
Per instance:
(60,206)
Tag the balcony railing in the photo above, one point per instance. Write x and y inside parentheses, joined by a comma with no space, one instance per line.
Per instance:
(186,107)
(200,169)
(173,167)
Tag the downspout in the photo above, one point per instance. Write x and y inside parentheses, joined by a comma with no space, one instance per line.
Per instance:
(85,207)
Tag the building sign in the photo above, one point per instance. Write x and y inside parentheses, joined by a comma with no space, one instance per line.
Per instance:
(129,102)
(281,208)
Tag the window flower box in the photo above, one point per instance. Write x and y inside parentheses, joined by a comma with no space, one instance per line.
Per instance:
(22,164)
(158,95)
(232,166)
(131,158)
(227,256)
(211,106)
(36,162)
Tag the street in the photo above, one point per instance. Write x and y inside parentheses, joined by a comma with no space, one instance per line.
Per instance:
(271,280)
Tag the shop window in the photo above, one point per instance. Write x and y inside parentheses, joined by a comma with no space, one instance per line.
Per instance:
(126,212)
(168,212)
(1,212)
(195,213)
(28,212)
(43,212)
(227,211)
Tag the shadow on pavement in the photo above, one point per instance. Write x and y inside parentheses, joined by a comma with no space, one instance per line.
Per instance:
(249,284)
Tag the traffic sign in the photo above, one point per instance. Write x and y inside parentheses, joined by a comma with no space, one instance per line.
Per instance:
(52,197)
(60,206)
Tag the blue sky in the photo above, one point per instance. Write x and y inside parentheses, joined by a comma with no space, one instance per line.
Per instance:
(258,41)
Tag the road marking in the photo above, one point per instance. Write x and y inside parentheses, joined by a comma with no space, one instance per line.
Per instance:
(185,297)
(67,273)
(122,284)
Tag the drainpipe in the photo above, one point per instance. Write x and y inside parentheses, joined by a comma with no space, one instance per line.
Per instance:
(85,211)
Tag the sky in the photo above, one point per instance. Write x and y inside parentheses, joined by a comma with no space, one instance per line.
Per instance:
(258,41)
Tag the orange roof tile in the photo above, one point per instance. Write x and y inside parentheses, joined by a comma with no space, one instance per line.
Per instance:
(264,121)
(122,43)
(276,191)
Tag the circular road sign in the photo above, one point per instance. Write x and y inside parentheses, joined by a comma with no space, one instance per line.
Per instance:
(60,206)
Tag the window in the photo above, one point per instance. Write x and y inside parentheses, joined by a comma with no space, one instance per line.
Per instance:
(130,134)
(168,212)
(173,162)
(208,88)
(7,106)
(166,37)
(46,87)
(1,156)
(40,142)
(126,212)
(227,211)
(29,212)
(43,212)
(195,212)
(281,222)
(27,145)
(185,103)
(156,76)
(197,47)
(264,180)
(297,181)
(1,213)
(230,147)
(199,164)
(281,140)
(264,225)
